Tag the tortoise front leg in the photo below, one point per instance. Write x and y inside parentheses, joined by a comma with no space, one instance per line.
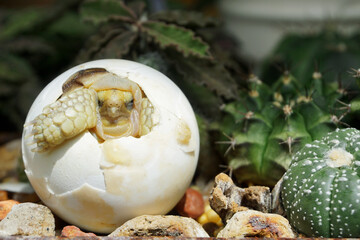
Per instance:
(70,115)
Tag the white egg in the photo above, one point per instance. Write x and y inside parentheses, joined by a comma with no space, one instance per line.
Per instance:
(100,185)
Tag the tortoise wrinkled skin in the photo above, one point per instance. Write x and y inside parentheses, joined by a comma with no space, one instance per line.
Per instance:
(96,100)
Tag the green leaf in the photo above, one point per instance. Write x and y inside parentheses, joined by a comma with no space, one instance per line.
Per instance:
(98,11)
(185,18)
(13,70)
(183,40)
(28,45)
(97,42)
(18,88)
(69,24)
(118,46)
(209,163)
(202,99)
(21,21)
(156,61)
(213,76)
(137,7)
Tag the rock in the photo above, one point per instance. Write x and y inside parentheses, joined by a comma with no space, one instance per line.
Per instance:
(211,228)
(276,206)
(209,215)
(5,207)
(191,204)
(162,226)
(26,197)
(226,198)
(72,231)
(20,191)
(10,153)
(28,219)
(257,198)
(253,223)
(210,220)
(3,195)
(14,186)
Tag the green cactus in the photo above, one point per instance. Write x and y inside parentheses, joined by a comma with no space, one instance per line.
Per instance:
(321,189)
(336,53)
(329,50)
(269,123)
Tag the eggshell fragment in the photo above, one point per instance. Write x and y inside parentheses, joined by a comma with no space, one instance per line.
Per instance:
(99,186)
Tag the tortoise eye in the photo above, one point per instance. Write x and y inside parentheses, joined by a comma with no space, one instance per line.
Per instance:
(130,104)
(100,103)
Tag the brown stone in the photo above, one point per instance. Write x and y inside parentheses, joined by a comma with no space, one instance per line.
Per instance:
(253,223)
(73,231)
(191,204)
(225,197)
(10,153)
(211,228)
(257,198)
(26,197)
(160,226)
(5,207)
(3,195)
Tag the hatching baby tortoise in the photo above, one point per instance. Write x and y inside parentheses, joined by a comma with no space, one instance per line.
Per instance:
(93,99)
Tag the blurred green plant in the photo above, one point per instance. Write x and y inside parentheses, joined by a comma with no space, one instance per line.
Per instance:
(262,130)
(190,48)
(35,45)
(183,45)
(329,50)
(335,53)
(277,116)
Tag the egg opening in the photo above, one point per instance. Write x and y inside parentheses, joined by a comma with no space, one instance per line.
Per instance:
(96,100)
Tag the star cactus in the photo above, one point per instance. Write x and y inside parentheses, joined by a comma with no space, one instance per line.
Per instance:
(321,189)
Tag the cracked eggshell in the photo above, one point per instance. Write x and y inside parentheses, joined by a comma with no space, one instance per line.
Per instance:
(99,186)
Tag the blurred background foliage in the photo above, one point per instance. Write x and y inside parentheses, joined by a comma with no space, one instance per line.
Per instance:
(37,42)
(40,39)
(184,39)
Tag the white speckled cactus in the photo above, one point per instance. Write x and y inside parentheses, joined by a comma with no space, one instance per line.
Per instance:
(321,189)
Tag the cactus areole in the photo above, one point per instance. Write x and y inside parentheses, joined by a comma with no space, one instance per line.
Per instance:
(321,189)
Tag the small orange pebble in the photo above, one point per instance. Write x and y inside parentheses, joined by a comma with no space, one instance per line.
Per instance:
(191,205)
(72,231)
(3,195)
(5,207)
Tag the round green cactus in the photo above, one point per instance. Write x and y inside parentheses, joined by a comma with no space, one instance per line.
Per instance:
(321,189)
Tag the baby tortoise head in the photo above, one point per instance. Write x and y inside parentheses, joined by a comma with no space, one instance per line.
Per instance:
(93,99)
